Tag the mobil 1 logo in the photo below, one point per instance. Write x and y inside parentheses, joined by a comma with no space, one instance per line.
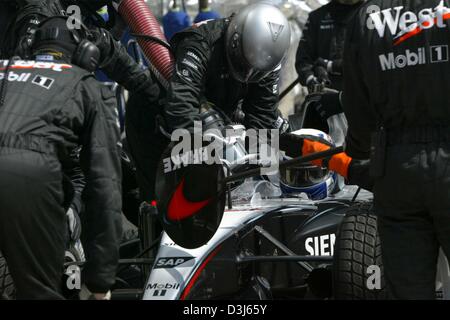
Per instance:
(160,289)
(43,82)
(411,58)
(439,54)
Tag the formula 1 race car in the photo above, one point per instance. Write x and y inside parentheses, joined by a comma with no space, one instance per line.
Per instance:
(270,245)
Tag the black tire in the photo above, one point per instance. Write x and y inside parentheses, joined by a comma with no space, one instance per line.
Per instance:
(7,289)
(357,247)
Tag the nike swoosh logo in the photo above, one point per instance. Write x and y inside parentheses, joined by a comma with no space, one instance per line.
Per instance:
(180,208)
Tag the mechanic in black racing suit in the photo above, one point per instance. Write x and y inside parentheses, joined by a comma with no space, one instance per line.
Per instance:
(320,55)
(7,14)
(23,17)
(321,49)
(216,64)
(396,93)
(48,107)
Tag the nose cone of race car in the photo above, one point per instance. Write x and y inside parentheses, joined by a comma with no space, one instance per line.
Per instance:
(190,201)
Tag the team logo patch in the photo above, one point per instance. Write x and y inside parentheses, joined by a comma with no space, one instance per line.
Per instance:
(168,263)
(404,25)
(276,30)
(43,82)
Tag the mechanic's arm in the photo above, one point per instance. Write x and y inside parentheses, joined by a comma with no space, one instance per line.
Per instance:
(306,52)
(76,176)
(100,161)
(261,103)
(186,85)
(355,98)
(76,180)
(118,65)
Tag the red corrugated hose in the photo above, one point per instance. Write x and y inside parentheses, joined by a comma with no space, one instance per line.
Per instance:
(141,20)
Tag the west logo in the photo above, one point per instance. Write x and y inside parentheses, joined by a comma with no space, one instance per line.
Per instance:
(407,24)
(21,64)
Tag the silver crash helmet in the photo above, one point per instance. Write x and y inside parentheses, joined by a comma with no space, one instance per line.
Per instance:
(257,40)
(316,182)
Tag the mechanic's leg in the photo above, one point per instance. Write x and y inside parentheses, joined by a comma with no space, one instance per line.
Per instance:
(408,242)
(145,143)
(34,229)
(146,147)
(440,202)
(410,252)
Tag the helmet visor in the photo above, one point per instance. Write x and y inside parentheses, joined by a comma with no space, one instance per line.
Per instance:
(305,176)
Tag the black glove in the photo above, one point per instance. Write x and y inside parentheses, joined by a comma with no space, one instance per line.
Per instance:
(328,105)
(282,124)
(322,75)
(74,222)
(336,67)
(291,144)
(118,65)
(331,66)
(314,85)
(102,40)
(319,81)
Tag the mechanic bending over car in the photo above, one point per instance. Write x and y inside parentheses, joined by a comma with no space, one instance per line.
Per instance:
(115,61)
(320,51)
(404,129)
(216,65)
(25,15)
(48,107)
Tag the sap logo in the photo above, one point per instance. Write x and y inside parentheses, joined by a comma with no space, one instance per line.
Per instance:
(407,24)
(14,77)
(166,263)
(321,245)
(165,286)
(409,59)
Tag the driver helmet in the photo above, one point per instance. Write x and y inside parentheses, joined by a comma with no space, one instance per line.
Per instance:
(257,41)
(316,182)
